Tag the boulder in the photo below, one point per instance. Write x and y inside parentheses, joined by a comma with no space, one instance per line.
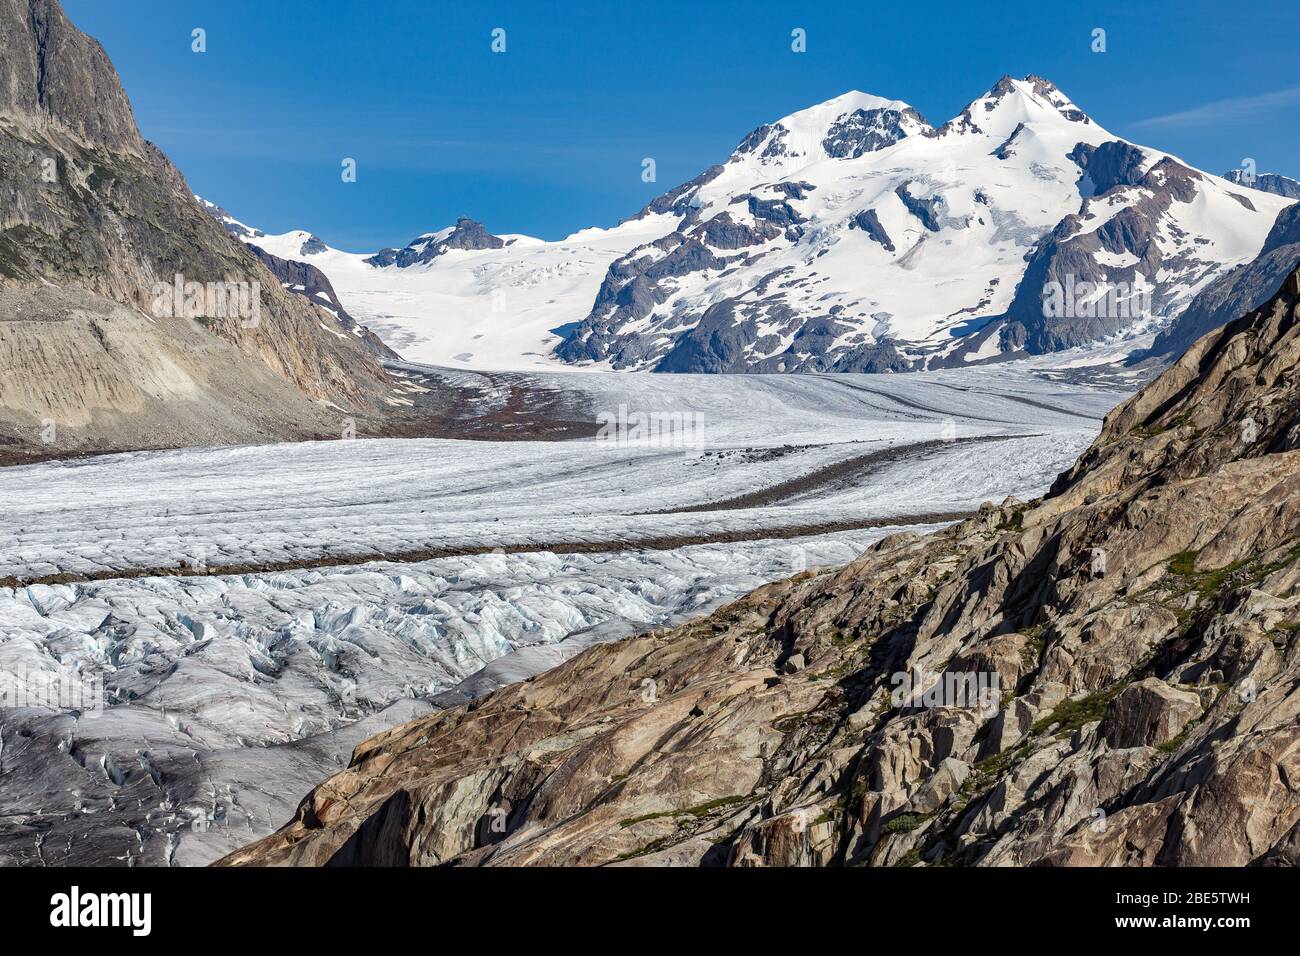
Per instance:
(1148,713)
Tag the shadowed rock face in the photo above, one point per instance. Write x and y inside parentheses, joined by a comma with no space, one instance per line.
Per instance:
(1266,182)
(1073,255)
(466,234)
(93,220)
(1137,627)
(869,222)
(57,76)
(1239,291)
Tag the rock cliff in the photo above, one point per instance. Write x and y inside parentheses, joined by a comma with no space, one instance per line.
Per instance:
(94,221)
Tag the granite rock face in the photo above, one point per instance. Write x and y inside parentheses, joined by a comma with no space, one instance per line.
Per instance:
(1109,675)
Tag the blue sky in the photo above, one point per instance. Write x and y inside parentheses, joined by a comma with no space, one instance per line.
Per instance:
(549,136)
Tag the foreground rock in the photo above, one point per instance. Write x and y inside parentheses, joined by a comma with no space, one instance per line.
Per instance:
(1140,622)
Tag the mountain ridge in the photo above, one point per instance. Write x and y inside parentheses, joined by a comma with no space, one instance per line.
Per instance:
(830,240)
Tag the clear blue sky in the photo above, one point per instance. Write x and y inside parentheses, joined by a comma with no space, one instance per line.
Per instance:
(549,136)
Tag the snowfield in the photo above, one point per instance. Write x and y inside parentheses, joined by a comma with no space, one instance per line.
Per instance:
(481,309)
(223,697)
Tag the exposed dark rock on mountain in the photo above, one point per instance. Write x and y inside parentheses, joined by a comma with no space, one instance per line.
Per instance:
(1109,165)
(678,199)
(869,222)
(95,225)
(1239,291)
(1267,182)
(864,131)
(466,234)
(926,210)
(1122,254)
(233,225)
(1107,676)
(310,283)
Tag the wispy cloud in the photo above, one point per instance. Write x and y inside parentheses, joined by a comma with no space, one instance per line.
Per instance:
(1218,112)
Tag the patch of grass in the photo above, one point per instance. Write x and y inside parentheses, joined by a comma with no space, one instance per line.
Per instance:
(1016,522)
(910,858)
(993,767)
(697,812)
(1071,715)
(1169,746)
(1205,583)
(906,822)
(1031,655)
(789,723)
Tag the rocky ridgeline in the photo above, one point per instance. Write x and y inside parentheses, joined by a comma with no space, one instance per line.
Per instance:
(1139,625)
(823,243)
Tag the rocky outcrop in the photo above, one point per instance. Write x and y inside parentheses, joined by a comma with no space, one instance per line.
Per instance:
(309,282)
(867,130)
(1237,292)
(95,227)
(1148,713)
(926,210)
(466,234)
(1107,676)
(869,222)
(1266,182)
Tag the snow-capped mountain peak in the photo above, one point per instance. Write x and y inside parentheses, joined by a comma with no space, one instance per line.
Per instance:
(920,250)
(844,127)
(840,127)
(848,236)
(1011,104)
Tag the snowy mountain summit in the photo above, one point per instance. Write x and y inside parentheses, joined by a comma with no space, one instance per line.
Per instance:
(849,236)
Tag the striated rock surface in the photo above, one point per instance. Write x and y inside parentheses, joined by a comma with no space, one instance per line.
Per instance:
(1131,639)
(93,221)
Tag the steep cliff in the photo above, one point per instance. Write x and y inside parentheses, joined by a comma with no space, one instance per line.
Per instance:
(95,227)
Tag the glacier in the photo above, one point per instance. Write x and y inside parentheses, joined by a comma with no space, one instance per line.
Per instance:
(381,578)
